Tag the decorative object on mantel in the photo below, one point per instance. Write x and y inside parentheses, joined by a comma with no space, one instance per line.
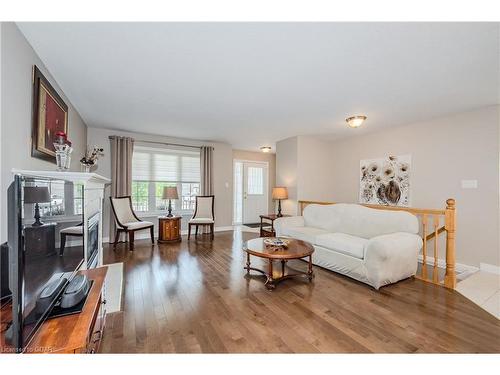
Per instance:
(90,158)
(279,193)
(35,195)
(385,181)
(50,116)
(63,148)
(170,192)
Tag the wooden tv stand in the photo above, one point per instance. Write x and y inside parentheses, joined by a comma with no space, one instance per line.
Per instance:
(77,333)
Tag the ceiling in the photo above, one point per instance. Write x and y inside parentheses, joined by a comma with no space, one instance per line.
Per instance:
(252,84)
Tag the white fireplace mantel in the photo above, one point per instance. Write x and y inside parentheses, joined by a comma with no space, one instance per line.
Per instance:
(93,196)
(77,177)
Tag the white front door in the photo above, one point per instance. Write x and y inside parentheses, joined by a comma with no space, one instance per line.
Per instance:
(255,191)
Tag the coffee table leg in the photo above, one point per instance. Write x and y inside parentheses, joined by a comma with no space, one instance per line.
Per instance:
(248,263)
(282,267)
(310,269)
(269,282)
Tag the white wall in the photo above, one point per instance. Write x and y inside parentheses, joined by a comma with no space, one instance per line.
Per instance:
(223,167)
(17,60)
(446,150)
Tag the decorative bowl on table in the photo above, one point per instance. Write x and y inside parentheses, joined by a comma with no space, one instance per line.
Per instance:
(278,243)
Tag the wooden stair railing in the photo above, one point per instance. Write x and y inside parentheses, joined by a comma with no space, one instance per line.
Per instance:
(436,222)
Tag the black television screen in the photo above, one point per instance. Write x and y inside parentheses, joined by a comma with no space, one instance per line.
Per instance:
(41,263)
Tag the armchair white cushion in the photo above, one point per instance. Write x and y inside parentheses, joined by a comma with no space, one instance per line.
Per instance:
(374,246)
(127,221)
(76,230)
(203,213)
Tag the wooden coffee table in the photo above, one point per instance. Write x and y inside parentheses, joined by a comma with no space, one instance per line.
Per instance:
(296,249)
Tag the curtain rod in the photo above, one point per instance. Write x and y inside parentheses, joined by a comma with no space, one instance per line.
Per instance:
(168,144)
(164,143)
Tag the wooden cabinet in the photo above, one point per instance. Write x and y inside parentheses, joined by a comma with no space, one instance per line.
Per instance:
(77,333)
(169,229)
(40,241)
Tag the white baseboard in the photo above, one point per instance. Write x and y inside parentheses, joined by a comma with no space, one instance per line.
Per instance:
(491,268)
(460,268)
(145,234)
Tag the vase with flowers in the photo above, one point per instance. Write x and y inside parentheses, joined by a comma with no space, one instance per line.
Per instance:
(63,149)
(90,158)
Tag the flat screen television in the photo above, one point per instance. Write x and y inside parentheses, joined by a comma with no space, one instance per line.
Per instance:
(38,208)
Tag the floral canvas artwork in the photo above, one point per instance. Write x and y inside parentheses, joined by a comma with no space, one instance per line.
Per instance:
(385,181)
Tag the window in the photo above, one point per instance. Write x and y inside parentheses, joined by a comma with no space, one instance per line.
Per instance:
(155,168)
(255,181)
(66,198)
(238,193)
(78,199)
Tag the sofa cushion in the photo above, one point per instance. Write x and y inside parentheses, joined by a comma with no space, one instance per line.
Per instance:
(343,243)
(358,220)
(307,234)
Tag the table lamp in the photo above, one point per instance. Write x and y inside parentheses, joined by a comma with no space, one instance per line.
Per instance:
(279,193)
(36,195)
(170,192)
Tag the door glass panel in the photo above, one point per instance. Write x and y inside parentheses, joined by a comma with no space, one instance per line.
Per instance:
(255,184)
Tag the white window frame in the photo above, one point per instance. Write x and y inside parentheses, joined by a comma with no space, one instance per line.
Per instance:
(152,192)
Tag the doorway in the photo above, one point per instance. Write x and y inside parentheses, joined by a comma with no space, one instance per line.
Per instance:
(251,179)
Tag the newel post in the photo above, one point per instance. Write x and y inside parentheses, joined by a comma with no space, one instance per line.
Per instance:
(450,278)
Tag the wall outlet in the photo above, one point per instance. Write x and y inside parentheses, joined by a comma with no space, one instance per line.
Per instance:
(469,184)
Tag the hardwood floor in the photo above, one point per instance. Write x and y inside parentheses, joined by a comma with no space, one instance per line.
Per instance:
(193,297)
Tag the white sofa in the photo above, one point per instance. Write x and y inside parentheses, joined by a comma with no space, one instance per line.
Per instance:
(377,247)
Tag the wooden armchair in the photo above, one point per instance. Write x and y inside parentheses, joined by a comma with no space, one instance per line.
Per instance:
(127,221)
(203,214)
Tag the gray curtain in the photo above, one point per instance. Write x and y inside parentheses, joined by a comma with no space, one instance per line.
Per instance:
(122,149)
(206,170)
(206,175)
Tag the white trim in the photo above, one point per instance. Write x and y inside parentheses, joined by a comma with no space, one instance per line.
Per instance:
(145,235)
(243,161)
(491,268)
(441,263)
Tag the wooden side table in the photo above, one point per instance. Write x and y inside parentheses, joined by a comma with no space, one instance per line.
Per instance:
(267,224)
(169,229)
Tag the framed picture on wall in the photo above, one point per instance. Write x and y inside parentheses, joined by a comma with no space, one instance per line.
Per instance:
(49,116)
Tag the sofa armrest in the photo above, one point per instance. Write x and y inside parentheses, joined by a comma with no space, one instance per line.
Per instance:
(282,223)
(392,257)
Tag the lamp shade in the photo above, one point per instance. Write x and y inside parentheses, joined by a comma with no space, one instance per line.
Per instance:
(36,194)
(170,192)
(280,192)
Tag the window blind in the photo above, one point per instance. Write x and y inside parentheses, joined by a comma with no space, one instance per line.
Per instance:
(163,164)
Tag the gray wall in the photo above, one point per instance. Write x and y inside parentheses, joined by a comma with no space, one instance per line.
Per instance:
(445,151)
(223,169)
(287,172)
(17,60)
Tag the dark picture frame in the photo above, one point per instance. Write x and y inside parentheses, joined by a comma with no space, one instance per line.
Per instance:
(49,116)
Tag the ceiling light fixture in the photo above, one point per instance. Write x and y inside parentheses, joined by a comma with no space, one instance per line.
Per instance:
(265,149)
(355,121)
